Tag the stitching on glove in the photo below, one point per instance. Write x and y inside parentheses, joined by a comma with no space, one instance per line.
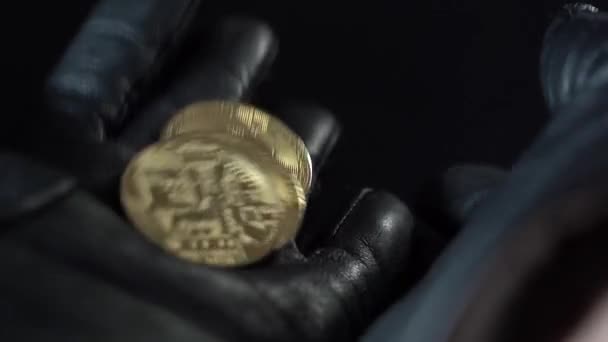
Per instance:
(350,210)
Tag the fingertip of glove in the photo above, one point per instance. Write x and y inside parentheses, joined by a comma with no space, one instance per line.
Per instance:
(373,205)
(254,38)
(390,211)
(28,186)
(379,222)
(448,200)
(316,126)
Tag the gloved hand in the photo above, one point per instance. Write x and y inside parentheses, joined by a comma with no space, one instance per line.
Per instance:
(74,269)
(530,262)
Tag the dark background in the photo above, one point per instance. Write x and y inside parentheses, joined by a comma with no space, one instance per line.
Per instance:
(418,86)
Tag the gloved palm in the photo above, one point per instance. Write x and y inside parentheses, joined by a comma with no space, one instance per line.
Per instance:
(76,270)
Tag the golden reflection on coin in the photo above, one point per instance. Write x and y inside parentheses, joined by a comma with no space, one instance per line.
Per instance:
(211,199)
(246,121)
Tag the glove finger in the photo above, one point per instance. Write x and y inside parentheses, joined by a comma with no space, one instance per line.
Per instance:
(449,201)
(369,249)
(317,127)
(243,51)
(573,58)
(44,297)
(242,47)
(118,50)
(319,130)
(335,293)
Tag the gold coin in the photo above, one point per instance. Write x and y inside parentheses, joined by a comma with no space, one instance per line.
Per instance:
(212,199)
(246,121)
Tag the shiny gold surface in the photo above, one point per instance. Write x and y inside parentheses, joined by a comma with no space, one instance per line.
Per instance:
(246,121)
(214,198)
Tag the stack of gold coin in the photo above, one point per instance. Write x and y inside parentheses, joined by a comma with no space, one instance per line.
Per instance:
(225,185)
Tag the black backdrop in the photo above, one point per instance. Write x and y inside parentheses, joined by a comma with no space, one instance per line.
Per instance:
(418,86)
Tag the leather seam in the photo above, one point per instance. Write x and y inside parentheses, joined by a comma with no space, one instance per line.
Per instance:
(350,210)
(67,186)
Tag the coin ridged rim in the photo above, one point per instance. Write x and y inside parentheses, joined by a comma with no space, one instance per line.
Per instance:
(291,220)
(243,120)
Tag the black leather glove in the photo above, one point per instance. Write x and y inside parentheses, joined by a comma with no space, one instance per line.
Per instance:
(531,261)
(75,270)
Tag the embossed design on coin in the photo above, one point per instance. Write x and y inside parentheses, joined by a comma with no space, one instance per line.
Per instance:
(212,199)
(246,121)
